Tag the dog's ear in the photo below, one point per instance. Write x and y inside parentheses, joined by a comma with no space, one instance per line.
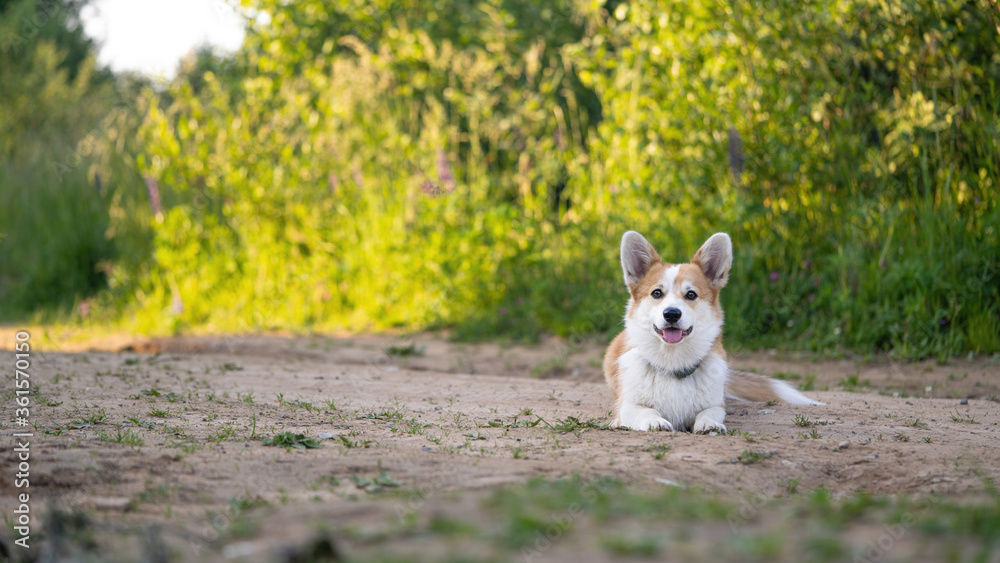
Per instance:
(638,256)
(715,257)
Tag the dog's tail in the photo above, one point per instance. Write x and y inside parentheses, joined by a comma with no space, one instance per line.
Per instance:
(744,386)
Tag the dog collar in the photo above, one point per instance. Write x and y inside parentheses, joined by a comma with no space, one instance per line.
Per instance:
(679,373)
(682,373)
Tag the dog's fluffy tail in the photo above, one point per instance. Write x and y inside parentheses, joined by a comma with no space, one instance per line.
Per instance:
(744,386)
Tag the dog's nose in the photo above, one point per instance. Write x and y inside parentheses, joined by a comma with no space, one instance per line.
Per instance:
(672,314)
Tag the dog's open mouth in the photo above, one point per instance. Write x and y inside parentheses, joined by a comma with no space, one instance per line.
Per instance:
(673,335)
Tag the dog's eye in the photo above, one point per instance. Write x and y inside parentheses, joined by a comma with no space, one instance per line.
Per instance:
(691,296)
(657,293)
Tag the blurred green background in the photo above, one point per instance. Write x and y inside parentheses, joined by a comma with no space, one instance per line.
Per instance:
(471,165)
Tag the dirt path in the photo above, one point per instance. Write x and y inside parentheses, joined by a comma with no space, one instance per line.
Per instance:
(168,430)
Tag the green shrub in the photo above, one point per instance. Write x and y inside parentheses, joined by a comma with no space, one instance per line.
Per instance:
(472,165)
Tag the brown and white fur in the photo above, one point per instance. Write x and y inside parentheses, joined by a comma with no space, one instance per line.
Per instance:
(667,370)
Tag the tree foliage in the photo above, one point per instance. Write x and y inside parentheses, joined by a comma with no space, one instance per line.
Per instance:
(472,164)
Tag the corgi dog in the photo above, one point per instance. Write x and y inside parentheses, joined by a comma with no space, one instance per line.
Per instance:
(667,370)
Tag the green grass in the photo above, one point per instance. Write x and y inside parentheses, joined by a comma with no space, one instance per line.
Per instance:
(802,420)
(622,546)
(966,418)
(852,384)
(93,419)
(376,484)
(391,413)
(290,440)
(445,526)
(787,376)
(808,382)
(410,426)
(792,485)
(127,436)
(350,444)
(147,424)
(575,425)
(749,457)
(225,432)
(550,518)
(407,350)
(659,450)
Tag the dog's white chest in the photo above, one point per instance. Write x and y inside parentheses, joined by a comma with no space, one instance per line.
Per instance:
(678,400)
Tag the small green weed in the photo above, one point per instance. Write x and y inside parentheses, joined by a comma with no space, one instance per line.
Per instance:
(147,424)
(852,384)
(658,451)
(751,457)
(128,437)
(787,375)
(622,546)
(348,443)
(575,425)
(227,431)
(407,350)
(964,418)
(289,440)
(376,484)
(808,382)
(792,485)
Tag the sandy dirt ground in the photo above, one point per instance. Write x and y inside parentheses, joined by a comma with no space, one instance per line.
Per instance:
(170,431)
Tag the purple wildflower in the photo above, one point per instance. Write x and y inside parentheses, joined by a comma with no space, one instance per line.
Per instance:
(154,198)
(445,176)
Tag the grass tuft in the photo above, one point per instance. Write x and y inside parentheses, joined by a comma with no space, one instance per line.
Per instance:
(289,440)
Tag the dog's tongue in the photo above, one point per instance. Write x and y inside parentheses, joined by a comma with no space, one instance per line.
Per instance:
(672,335)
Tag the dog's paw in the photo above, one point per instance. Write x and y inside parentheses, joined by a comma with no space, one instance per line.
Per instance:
(653,422)
(706,425)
